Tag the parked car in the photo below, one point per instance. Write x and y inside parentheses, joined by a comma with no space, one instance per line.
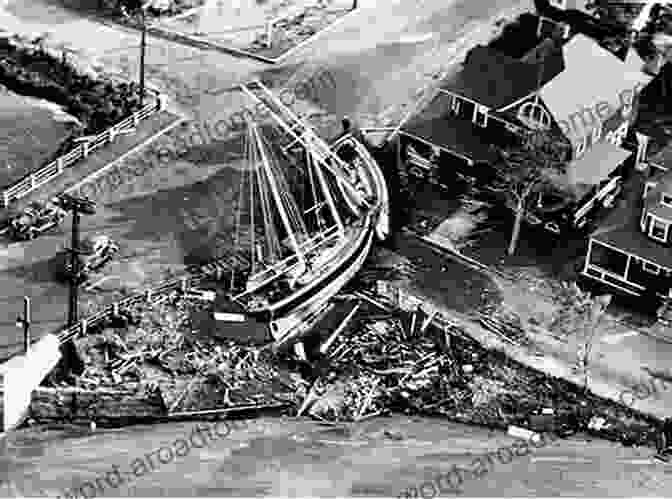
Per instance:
(94,254)
(36,219)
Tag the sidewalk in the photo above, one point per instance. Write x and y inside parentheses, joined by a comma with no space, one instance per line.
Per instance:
(148,130)
(623,354)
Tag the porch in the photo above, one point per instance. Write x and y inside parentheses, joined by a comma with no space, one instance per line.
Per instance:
(620,255)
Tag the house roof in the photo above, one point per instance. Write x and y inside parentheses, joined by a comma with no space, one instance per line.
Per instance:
(596,164)
(590,169)
(621,230)
(495,80)
(576,4)
(593,76)
(453,134)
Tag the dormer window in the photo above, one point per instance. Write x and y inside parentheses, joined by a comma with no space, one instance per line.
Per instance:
(535,116)
(658,229)
(666,200)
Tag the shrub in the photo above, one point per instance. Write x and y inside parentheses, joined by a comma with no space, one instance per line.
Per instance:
(29,69)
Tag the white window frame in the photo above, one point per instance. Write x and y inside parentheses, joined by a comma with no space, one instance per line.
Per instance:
(655,219)
(618,135)
(651,268)
(597,133)
(455,105)
(644,222)
(526,115)
(662,199)
(580,149)
(482,111)
(647,187)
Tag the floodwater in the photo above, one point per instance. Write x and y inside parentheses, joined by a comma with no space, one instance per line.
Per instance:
(291,457)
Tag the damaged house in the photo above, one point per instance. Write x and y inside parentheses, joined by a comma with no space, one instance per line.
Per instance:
(575,89)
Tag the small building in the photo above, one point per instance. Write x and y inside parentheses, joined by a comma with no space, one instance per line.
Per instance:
(631,250)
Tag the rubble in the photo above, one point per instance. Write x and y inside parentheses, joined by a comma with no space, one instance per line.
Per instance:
(155,346)
(366,363)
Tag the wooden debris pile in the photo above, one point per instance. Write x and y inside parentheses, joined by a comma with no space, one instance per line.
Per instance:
(380,366)
(157,347)
(376,369)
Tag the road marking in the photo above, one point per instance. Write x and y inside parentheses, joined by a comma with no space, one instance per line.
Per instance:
(613,339)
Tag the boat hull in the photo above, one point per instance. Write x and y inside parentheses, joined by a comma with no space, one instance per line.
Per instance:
(288,315)
(288,326)
(356,251)
(376,181)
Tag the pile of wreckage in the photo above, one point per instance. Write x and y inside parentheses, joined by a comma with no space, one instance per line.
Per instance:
(405,363)
(154,345)
(366,363)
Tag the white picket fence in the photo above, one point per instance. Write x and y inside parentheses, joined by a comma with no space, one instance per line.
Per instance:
(181,284)
(52,170)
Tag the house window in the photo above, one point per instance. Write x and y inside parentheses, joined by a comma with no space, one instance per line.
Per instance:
(481,116)
(455,105)
(597,133)
(658,230)
(616,137)
(645,221)
(580,148)
(534,115)
(651,268)
(666,199)
(648,186)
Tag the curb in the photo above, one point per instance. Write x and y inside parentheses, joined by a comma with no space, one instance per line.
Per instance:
(314,37)
(181,37)
(133,150)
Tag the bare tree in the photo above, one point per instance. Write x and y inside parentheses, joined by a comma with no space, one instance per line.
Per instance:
(578,319)
(525,169)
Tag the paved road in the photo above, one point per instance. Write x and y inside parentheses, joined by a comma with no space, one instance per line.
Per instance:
(289,458)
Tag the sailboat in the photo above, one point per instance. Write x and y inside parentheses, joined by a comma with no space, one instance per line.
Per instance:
(303,245)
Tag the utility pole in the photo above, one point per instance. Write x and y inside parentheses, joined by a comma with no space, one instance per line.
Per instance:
(77,206)
(24,322)
(71,362)
(131,13)
(143,46)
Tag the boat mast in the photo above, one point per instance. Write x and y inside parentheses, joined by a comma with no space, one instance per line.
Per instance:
(276,196)
(327,193)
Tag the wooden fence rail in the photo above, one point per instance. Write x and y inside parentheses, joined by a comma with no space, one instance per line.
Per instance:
(52,170)
(180,284)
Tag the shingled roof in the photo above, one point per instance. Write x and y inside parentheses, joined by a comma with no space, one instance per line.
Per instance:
(495,80)
(592,76)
